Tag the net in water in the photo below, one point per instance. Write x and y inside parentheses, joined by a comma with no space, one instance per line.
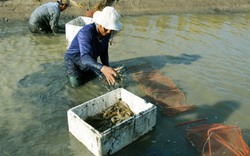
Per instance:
(163,90)
(218,140)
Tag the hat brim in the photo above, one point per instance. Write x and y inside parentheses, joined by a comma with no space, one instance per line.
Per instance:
(99,19)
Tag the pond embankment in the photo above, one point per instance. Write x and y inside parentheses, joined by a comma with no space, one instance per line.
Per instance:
(21,9)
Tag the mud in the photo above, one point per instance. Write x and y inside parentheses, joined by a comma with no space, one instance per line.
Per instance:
(21,9)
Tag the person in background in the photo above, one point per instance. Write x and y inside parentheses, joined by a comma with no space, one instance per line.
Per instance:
(45,18)
(91,42)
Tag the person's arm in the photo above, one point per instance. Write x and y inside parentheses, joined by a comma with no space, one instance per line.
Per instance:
(104,54)
(105,57)
(54,22)
(109,72)
(86,51)
(54,14)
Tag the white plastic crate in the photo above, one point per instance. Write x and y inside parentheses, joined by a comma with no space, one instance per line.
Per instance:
(118,136)
(75,25)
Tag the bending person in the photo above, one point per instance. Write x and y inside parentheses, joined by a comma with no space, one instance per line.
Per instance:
(45,18)
(91,42)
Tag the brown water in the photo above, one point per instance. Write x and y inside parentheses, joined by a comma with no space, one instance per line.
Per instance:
(207,56)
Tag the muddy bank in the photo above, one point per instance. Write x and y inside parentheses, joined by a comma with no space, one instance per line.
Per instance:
(21,9)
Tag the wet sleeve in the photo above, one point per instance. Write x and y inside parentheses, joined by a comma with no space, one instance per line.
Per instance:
(86,51)
(105,57)
(104,52)
(54,18)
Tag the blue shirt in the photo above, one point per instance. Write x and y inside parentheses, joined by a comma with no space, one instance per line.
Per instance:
(86,48)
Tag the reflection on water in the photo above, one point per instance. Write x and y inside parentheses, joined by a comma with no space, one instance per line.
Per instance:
(207,56)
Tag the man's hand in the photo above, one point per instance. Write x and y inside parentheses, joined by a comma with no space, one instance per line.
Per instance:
(109,73)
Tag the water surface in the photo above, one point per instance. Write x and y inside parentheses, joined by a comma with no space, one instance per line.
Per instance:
(207,56)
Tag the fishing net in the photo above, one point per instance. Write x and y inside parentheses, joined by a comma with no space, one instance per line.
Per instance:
(218,140)
(163,90)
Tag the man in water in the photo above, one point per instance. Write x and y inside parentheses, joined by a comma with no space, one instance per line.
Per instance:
(91,42)
(45,18)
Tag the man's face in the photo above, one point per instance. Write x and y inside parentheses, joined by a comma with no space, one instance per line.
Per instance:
(63,7)
(104,32)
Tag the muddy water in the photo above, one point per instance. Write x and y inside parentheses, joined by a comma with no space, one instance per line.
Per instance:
(207,56)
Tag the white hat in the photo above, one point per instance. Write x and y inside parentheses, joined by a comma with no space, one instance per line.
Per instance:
(108,18)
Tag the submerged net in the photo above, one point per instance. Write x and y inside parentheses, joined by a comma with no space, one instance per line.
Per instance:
(218,140)
(163,90)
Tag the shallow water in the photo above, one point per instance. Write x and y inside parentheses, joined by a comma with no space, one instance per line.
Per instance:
(207,56)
